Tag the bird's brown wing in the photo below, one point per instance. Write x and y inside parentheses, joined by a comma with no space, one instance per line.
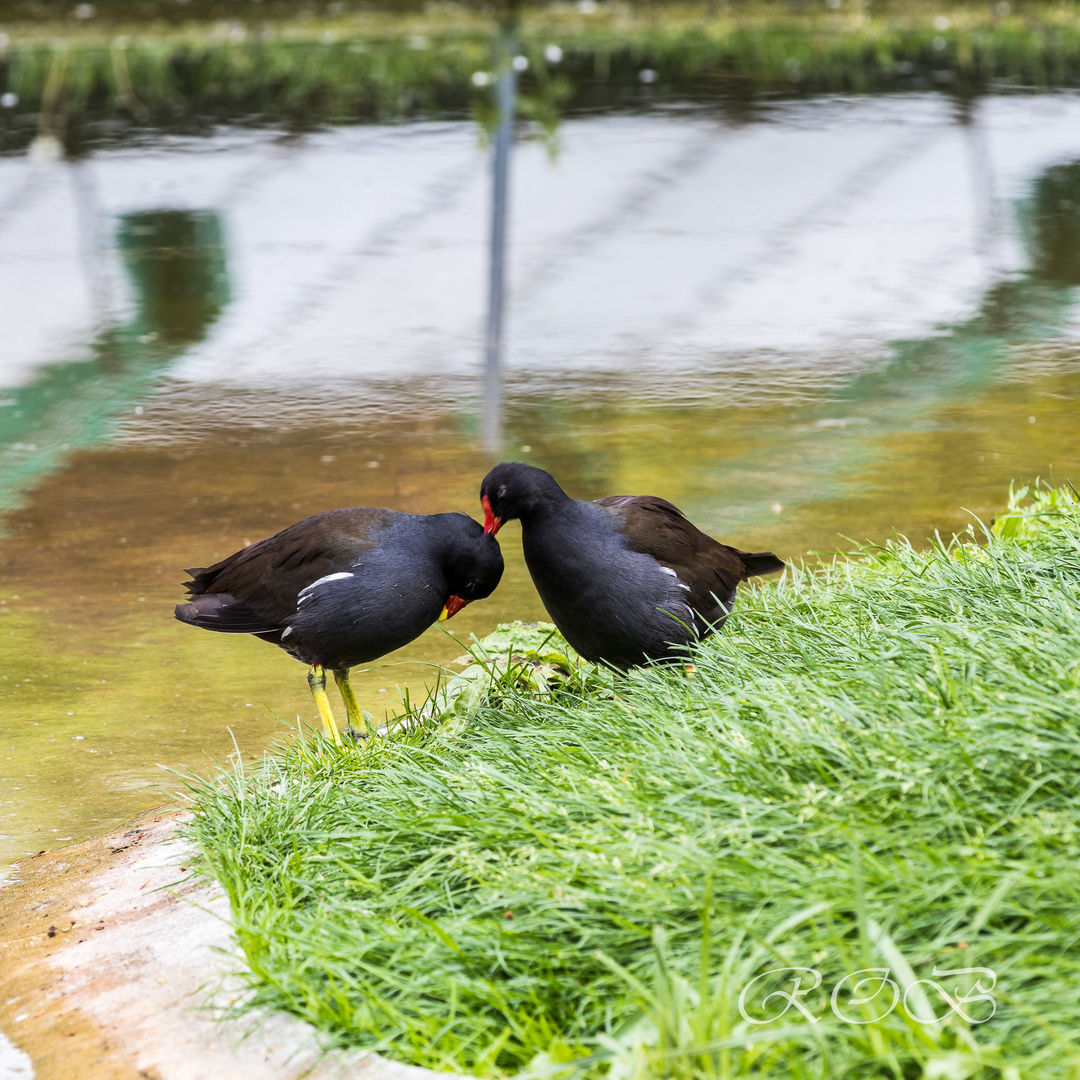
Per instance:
(653,526)
(266,577)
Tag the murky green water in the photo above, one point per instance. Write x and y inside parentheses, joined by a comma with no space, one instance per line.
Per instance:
(126,465)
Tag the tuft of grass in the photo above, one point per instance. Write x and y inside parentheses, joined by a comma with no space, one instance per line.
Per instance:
(873,767)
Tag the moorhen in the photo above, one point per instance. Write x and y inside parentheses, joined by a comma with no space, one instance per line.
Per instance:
(626,579)
(344,587)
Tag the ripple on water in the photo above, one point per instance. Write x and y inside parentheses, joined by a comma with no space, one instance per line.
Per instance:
(793,354)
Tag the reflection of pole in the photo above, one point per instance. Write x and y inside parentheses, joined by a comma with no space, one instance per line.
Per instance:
(505,92)
(982,178)
(90,244)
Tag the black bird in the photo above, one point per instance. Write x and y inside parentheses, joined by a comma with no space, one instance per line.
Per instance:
(344,587)
(626,579)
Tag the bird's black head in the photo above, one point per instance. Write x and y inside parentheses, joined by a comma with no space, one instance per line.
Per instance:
(513,490)
(471,561)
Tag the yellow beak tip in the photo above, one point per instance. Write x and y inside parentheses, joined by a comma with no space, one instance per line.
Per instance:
(444,615)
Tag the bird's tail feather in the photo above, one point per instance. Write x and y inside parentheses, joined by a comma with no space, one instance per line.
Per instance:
(224,613)
(760,562)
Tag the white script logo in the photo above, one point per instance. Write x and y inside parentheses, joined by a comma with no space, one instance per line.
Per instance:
(865,986)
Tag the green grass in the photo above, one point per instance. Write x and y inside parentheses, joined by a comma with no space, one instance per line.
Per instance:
(874,766)
(70,75)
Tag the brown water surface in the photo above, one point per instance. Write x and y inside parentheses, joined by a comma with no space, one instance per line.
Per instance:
(105,698)
(107,687)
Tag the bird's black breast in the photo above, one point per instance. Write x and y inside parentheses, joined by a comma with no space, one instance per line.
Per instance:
(611,603)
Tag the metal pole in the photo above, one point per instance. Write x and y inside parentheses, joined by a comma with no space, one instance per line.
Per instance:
(505,95)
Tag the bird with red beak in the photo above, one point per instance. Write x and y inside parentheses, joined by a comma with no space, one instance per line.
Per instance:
(345,587)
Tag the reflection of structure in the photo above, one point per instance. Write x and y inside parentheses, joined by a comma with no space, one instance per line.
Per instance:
(176,263)
(920,377)
(982,176)
(91,245)
(505,93)
(670,251)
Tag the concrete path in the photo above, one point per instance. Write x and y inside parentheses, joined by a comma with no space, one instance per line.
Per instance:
(115,963)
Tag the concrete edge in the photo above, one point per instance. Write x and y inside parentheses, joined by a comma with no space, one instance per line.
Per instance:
(113,958)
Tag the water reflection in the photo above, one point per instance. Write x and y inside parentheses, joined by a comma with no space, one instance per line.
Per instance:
(789,354)
(1053,215)
(921,377)
(505,107)
(175,261)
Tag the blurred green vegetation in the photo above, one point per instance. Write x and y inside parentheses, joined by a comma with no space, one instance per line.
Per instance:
(186,12)
(181,66)
(176,263)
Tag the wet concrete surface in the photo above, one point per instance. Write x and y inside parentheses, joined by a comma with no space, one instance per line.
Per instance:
(115,963)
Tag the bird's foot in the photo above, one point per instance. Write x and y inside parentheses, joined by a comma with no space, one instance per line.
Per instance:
(359,720)
(366,731)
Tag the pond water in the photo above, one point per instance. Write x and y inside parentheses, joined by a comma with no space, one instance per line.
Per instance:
(837,318)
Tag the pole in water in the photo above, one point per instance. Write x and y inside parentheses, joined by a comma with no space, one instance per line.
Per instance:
(505,95)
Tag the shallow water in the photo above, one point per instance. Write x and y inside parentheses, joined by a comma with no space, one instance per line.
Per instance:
(843,319)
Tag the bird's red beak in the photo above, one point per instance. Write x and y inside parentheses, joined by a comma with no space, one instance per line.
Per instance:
(451,608)
(492,524)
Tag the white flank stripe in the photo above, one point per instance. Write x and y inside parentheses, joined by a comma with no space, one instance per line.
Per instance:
(323,580)
(681,584)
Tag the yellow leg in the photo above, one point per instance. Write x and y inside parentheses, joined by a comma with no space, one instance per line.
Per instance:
(317,681)
(357,720)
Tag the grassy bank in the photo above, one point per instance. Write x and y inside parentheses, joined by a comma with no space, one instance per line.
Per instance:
(875,766)
(345,64)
